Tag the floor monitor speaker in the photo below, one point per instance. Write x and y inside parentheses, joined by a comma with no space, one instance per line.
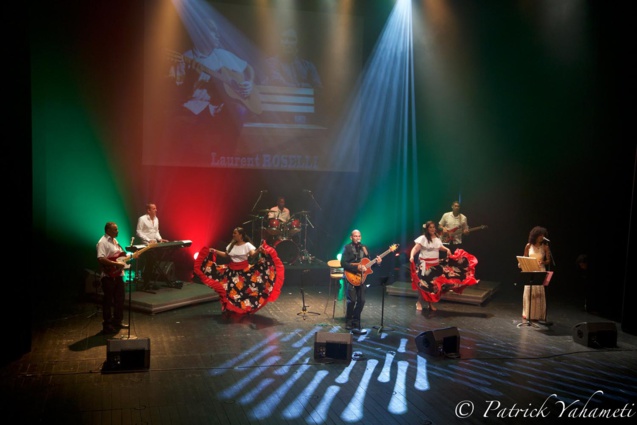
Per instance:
(439,342)
(127,355)
(333,347)
(596,334)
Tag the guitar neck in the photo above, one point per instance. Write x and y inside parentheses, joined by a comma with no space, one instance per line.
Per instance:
(200,67)
(371,263)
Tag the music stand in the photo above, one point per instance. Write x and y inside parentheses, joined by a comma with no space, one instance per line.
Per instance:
(384,281)
(531,274)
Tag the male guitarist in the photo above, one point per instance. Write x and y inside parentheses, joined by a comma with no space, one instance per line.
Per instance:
(453,225)
(351,258)
(109,252)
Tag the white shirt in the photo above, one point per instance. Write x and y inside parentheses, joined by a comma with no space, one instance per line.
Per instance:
(108,247)
(429,250)
(454,223)
(240,253)
(147,229)
(539,255)
(284,215)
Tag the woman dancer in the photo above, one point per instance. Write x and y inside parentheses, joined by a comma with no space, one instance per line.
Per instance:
(249,281)
(432,277)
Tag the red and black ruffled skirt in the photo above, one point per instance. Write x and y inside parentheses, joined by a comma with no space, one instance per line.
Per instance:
(242,287)
(453,273)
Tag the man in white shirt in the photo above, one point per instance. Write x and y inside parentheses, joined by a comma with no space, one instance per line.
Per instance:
(148,232)
(453,225)
(148,226)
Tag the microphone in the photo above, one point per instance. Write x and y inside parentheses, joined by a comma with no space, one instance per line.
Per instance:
(307,191)
(546,239)
(264,191)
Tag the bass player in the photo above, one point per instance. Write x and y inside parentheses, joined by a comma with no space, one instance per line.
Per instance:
(113,260)
(453,225)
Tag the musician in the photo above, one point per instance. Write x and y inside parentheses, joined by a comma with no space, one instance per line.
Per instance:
(280,211)
(538,248)
(282,214)
(351,258)
(148,226)
(148,232)
(112,280)
(453,225)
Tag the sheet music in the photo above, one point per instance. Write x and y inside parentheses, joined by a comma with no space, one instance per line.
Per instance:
(528,264)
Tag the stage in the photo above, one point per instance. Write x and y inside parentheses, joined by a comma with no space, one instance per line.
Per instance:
(163,296)
(477,294)
(199,365)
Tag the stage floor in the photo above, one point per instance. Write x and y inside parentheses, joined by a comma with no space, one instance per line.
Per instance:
(205,367)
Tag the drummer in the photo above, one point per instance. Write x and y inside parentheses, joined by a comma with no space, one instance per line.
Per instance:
(279,211)
(278,217)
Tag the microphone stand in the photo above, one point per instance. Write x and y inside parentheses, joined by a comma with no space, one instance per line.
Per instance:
(304,313)
(130,294)
(305,254)
(381,328)
(547,322)
(253,207)
(314,199)
(258,200)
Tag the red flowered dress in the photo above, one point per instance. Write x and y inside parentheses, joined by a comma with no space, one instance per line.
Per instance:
(242,287)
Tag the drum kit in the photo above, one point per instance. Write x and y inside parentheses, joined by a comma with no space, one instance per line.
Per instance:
(281,235)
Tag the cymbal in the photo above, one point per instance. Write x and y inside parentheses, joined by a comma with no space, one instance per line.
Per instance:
(265,211)
(302,212)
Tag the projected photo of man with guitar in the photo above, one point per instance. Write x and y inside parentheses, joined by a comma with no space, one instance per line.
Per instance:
(214,93)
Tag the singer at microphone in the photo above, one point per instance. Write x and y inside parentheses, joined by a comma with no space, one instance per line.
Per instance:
(534,296)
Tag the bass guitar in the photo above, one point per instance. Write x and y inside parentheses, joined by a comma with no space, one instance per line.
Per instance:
(230,79)
(357,278)
(123,258)
(448,236)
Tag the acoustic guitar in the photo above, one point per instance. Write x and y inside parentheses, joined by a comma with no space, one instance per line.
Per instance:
(358,278)
(228,77)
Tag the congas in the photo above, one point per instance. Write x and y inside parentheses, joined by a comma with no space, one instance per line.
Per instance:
(274,227)
(294,227)
(287,250)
